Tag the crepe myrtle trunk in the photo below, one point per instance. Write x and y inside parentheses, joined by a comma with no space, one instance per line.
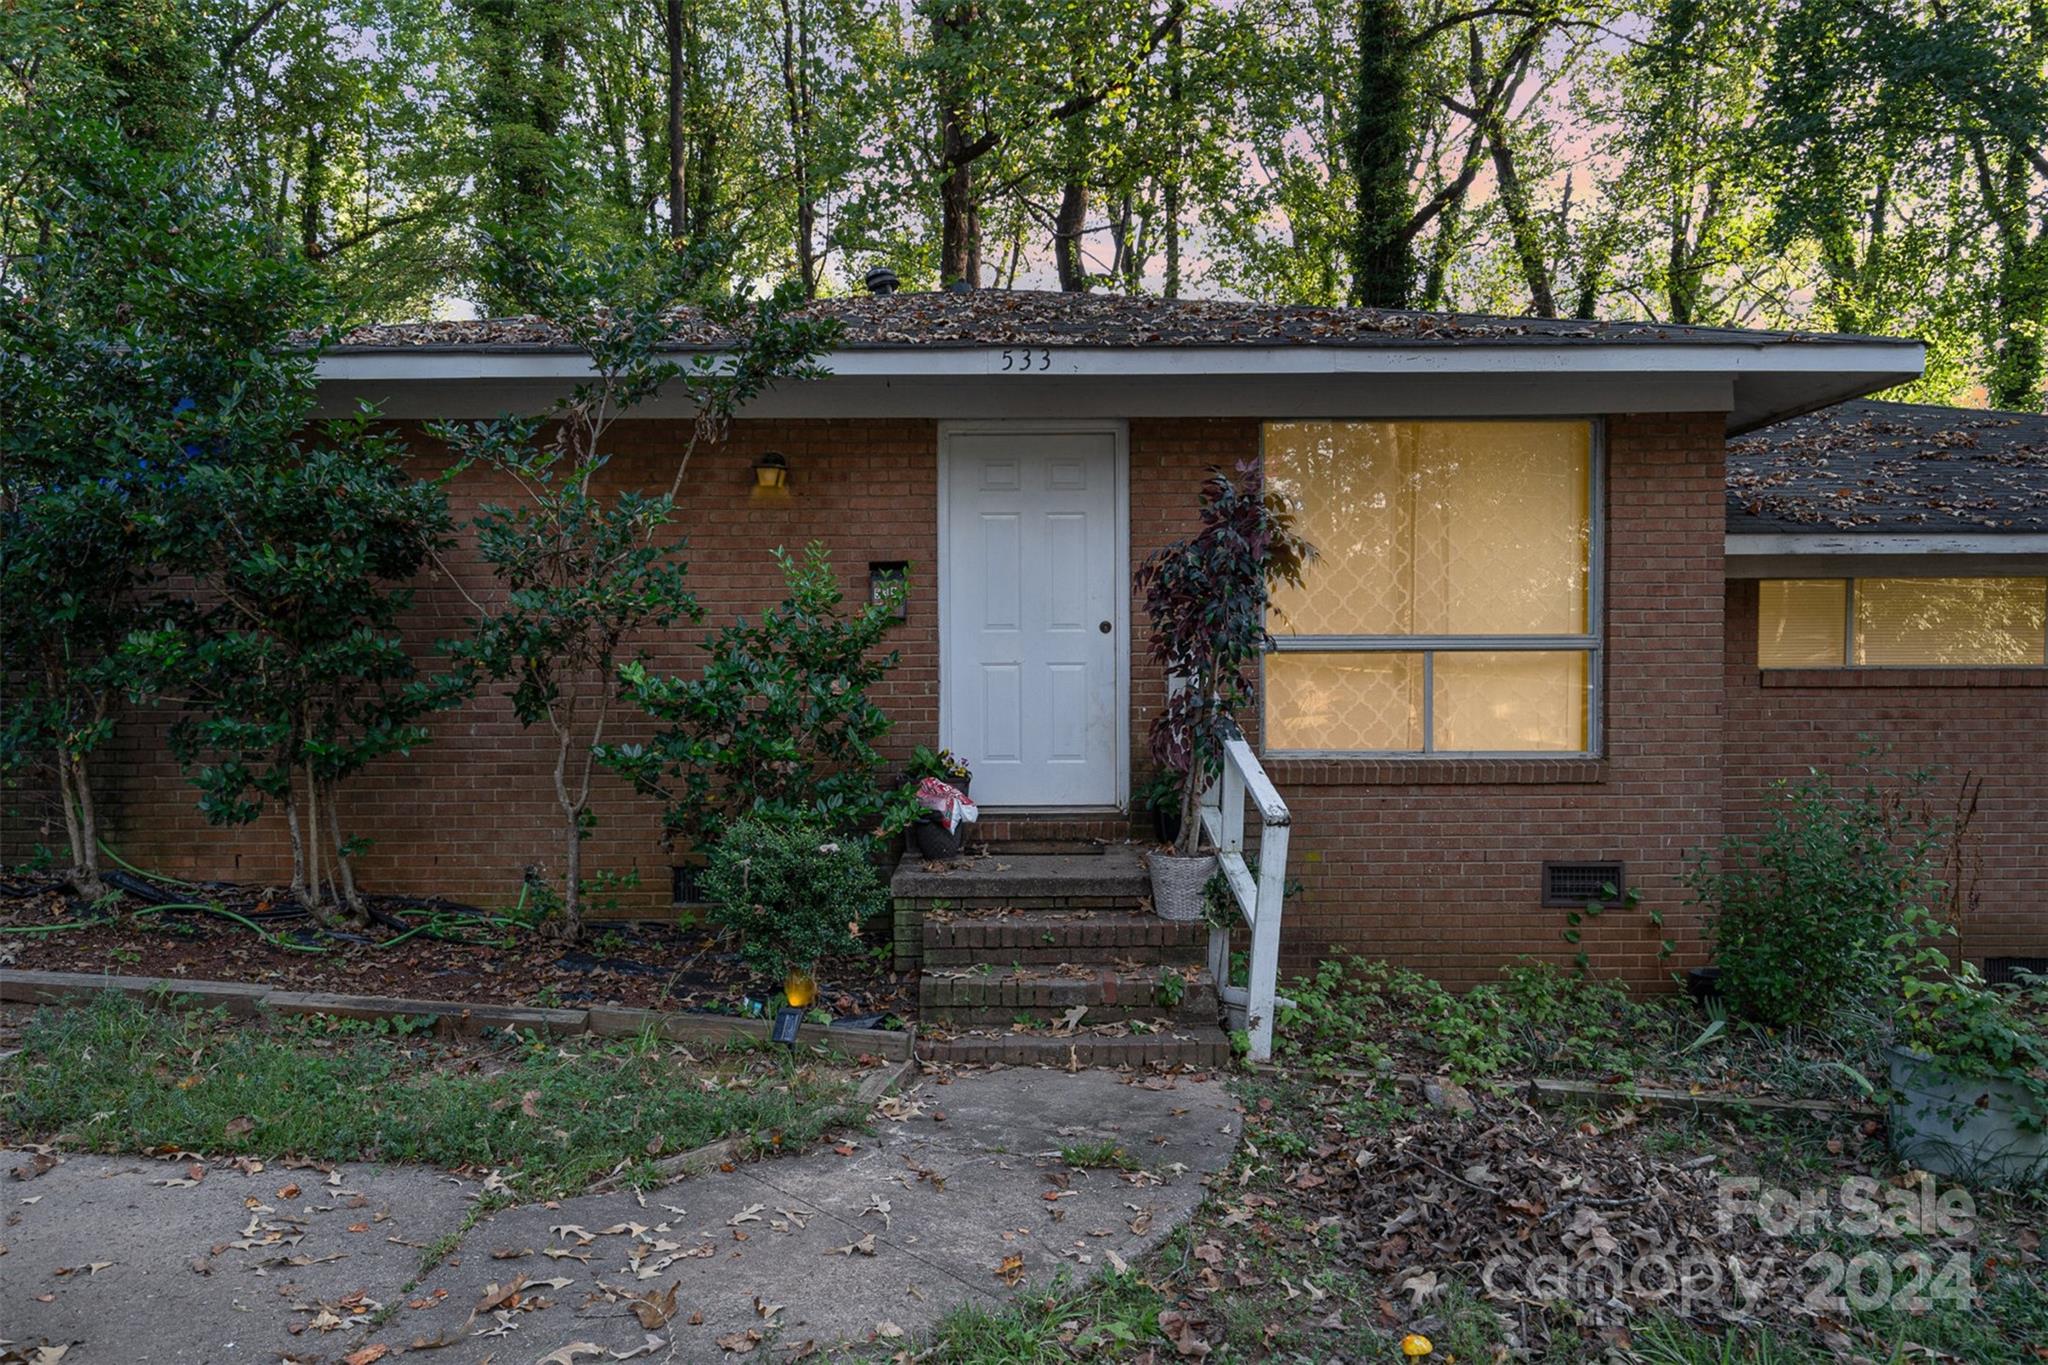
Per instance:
(1382,154)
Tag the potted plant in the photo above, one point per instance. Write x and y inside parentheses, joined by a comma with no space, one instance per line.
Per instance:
(1161,796)
(1969,1075)
(941,783)
(795,894)
(1207,599)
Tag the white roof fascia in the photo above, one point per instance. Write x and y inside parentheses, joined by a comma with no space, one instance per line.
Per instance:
(1884,357)
(1823,555)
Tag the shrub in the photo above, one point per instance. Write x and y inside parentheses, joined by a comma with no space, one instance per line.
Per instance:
(1801,913)
(794,893)
(781,726)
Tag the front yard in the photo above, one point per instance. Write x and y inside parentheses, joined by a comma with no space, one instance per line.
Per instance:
(1373,1201)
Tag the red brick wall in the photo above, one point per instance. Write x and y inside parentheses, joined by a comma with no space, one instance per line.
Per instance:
(464,815)
(1435,864)
(1986,724)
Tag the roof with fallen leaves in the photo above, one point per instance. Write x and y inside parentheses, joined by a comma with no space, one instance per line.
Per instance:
(1019,317)
(1891,468)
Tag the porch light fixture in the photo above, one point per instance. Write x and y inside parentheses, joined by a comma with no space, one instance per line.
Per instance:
(771,471)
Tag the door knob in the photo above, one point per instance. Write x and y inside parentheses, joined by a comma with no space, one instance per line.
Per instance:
(1105,627)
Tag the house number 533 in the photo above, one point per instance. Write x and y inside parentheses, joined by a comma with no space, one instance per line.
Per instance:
(1026,360)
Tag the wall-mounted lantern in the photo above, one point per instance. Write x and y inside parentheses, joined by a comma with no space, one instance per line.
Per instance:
(771,472)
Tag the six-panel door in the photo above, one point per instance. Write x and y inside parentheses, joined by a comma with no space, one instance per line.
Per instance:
(1031,639)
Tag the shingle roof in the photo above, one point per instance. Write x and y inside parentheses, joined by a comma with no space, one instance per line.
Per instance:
(1003,317)
(1891,467)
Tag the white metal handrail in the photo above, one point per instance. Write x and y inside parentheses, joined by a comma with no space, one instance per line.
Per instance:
(1259,898)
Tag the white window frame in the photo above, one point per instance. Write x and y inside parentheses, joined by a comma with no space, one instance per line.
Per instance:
(1592,643)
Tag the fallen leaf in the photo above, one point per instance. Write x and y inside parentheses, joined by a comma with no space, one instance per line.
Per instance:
(865,1247)
(740,1343)
(1179,1329)
(1010,1270)
(366,1355)
(654,1310)
(240,1126)
(573,1352)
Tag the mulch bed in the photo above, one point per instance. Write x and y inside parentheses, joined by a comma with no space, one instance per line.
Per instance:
(642,964)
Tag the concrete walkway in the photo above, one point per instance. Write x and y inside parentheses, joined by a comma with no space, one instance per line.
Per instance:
(958,1197)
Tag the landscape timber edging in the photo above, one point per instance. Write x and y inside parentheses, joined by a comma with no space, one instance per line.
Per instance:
(453,1016)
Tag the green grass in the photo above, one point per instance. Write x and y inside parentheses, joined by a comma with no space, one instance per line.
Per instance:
(549,1115)
(1109,1319)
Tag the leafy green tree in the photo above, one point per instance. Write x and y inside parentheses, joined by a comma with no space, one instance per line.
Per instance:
(781,725)
(583,567)
(287,662)
(135,336)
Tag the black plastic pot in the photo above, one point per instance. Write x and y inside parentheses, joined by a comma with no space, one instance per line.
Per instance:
(934,840)
(1166,823)
(1703,983)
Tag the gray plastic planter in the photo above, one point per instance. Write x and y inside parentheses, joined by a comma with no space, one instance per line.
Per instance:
(1962,1126)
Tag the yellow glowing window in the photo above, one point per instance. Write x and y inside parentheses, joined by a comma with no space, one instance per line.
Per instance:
(1450,605)
(1901,622)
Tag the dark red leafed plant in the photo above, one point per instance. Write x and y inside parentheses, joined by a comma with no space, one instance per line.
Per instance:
(1207,598)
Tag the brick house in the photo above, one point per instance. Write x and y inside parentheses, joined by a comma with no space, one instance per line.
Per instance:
(1530,643)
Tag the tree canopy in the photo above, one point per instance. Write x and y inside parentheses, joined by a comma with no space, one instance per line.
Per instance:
(1867,165)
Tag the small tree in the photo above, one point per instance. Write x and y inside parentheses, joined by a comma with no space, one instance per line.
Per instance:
(287,661)
(135,335)
(1207,598)
(780,727)
(583,569)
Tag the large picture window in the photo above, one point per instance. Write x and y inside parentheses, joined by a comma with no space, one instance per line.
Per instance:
(1451,607)
(1901,622)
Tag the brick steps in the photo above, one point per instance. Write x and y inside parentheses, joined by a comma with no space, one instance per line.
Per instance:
(1053,936)
(1200,1045)
(1009,944)
(999,995)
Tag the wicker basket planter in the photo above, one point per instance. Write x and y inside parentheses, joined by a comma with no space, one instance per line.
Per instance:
(1179,884)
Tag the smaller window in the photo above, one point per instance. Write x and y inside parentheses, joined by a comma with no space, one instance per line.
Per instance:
(1901,622)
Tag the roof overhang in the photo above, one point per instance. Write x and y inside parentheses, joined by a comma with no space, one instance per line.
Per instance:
(1753,383)
(1839,555)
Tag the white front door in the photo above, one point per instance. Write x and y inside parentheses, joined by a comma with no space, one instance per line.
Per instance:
(1032,581)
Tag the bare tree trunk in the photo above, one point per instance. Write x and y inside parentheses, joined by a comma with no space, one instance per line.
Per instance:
(796,85)
(345,874)
(959,218)
(1170,193)
(571,928)
(85,877)
(678,154)
(1067,227)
